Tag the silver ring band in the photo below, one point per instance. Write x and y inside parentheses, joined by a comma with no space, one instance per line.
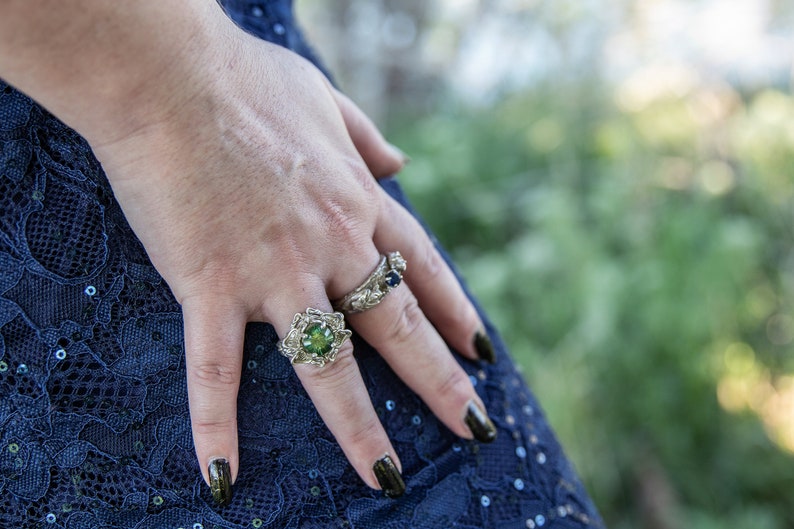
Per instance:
(386,276)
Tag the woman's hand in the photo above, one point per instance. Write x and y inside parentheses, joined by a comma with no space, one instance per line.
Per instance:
(249,181)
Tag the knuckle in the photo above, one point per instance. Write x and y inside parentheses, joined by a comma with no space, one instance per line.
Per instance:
(365,432)
(407,321)
(349,220)
(455,384)
(429,261)
(208,426)
(215,375)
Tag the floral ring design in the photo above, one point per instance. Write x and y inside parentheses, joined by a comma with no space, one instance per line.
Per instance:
(386,276)
(314,337)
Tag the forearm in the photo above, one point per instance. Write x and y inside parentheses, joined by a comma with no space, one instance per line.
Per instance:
(99,65)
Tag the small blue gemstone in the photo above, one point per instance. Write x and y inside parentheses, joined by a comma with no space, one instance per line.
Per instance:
(393,279)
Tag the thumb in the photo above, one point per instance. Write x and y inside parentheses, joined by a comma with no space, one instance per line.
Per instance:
(382,158)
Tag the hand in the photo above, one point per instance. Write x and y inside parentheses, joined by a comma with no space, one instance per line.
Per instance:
(251,188)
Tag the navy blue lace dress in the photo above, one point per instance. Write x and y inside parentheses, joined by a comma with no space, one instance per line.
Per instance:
(94,427)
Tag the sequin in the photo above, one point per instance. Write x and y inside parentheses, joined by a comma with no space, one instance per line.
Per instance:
(259,348)
(456,447)
(562,512)
(528,409)
(315,490)
(540,520)
(521,452)
(541,458)
(474,380)
(485,501)
(138,445)
(257,11)
(90,290)
(198,526)
(3,367)
(278,29)
(249,503)
(518,484)
(390,405)
(157,500)
(60,354)
(530,523)
(252,364)
(417,420)
(257,522)
(51,518)
(313,474)
(481,374)
(510,420)
(22,369)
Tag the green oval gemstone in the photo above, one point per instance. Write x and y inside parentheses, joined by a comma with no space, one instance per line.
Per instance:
(318,339)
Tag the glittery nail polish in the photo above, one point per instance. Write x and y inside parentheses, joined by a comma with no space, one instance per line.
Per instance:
(479,423)
(388,477)
(220,481)
(484,347)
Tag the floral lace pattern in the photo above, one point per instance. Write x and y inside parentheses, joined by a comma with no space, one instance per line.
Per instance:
(94,425)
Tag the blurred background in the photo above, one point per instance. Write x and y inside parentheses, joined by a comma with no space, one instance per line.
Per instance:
(616,181)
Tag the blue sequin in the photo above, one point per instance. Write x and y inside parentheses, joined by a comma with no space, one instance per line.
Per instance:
(521,452)
(518,484)
(485,501)
(390,405)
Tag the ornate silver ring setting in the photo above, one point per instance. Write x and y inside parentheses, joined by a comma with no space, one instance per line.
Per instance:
(314,337)
(387,275)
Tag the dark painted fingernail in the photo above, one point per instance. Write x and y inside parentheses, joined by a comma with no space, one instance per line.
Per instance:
(400,154)
(389,477)
(479,424)
(484,347)
(220,481)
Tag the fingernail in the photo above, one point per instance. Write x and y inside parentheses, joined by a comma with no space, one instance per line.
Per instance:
(389,477)
(400,154)
(479,423)
(484,347)
(220,481)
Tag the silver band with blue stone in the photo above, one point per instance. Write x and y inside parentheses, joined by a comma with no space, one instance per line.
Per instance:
(314,337)
(386,276)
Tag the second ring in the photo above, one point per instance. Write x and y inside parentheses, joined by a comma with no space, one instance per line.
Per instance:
(387,275)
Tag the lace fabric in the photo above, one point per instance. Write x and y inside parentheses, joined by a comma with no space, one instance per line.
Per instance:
(94,425)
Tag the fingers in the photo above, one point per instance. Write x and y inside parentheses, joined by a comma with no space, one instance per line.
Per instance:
(213,345)
(341,398)
(382,158)
(399,330)
(436,288)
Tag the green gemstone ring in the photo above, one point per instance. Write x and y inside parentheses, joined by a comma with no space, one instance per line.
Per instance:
(314,337)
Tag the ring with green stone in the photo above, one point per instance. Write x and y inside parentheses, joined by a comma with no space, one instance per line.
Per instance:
(314,337)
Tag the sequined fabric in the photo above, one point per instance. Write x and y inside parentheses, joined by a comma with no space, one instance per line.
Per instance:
(94,428)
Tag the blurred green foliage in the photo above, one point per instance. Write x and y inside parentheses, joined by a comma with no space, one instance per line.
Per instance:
(637,257)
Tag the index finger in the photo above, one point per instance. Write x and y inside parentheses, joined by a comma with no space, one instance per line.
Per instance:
(214,333)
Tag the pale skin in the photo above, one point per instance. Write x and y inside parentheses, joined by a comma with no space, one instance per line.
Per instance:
(249,180)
